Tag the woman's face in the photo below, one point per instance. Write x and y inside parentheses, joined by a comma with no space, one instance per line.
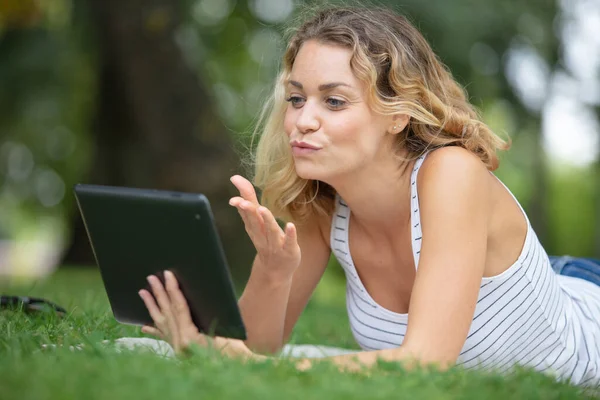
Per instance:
(328,111)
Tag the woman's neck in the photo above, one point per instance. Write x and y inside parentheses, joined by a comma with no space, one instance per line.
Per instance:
(378,195)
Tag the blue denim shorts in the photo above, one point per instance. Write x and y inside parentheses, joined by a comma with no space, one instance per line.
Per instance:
(583,268)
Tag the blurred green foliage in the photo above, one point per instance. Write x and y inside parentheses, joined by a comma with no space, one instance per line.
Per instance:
(49,68)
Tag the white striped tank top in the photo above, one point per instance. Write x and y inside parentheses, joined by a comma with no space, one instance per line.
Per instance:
(527,315)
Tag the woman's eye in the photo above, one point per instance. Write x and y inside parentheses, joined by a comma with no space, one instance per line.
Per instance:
(336,103)
(294,100)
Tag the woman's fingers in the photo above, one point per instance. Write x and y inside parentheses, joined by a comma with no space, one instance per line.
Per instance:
(155,313)
(262,227)
(235,202)
(245,187)
(243,206)
(259,221)
(291,238)
(247,206)
(254,222)
(165,307)
(150,330)
(275,234)
(179,304)
(273,231)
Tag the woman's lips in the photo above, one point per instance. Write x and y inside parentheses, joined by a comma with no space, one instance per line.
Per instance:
(301,151)
(302,148)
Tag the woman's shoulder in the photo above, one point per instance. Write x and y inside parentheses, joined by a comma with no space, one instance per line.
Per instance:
(448,171)
(451,163)
(452,158)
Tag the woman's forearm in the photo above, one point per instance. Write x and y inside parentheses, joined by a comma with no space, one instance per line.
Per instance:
(367,359)
(263,307)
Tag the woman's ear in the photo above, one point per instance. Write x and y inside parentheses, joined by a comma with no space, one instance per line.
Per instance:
(399,122)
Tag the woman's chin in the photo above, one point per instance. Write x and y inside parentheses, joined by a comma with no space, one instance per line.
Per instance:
(308,173)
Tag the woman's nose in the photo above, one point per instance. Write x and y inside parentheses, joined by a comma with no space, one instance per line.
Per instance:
(308,119)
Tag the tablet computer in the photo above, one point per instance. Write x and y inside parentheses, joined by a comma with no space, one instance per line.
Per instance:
(139,232)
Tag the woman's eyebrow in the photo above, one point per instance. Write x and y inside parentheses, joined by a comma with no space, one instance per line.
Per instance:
(325,86)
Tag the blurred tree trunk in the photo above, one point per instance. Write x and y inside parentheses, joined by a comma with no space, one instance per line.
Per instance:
(538,204)
(156,125)
(539,208)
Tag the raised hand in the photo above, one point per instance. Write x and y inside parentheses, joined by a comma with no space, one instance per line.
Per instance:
(277,250)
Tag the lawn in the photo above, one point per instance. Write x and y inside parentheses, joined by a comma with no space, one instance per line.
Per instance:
(99,372)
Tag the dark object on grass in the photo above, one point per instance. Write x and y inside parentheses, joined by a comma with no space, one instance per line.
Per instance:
(30,304)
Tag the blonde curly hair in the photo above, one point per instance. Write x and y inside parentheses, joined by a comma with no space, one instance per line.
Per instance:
(403,76)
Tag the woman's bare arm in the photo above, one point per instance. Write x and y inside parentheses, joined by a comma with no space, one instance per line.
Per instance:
(315,256)
(287,267)
(272,303)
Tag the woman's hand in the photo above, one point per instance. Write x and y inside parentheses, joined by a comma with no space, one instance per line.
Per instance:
(277,249)
(173,320)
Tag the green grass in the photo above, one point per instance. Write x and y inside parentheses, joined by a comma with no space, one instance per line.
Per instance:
(99,372)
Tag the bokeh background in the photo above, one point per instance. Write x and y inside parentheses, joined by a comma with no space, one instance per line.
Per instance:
(162,94)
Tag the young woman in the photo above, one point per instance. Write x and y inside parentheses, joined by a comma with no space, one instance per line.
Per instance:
(371,151)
